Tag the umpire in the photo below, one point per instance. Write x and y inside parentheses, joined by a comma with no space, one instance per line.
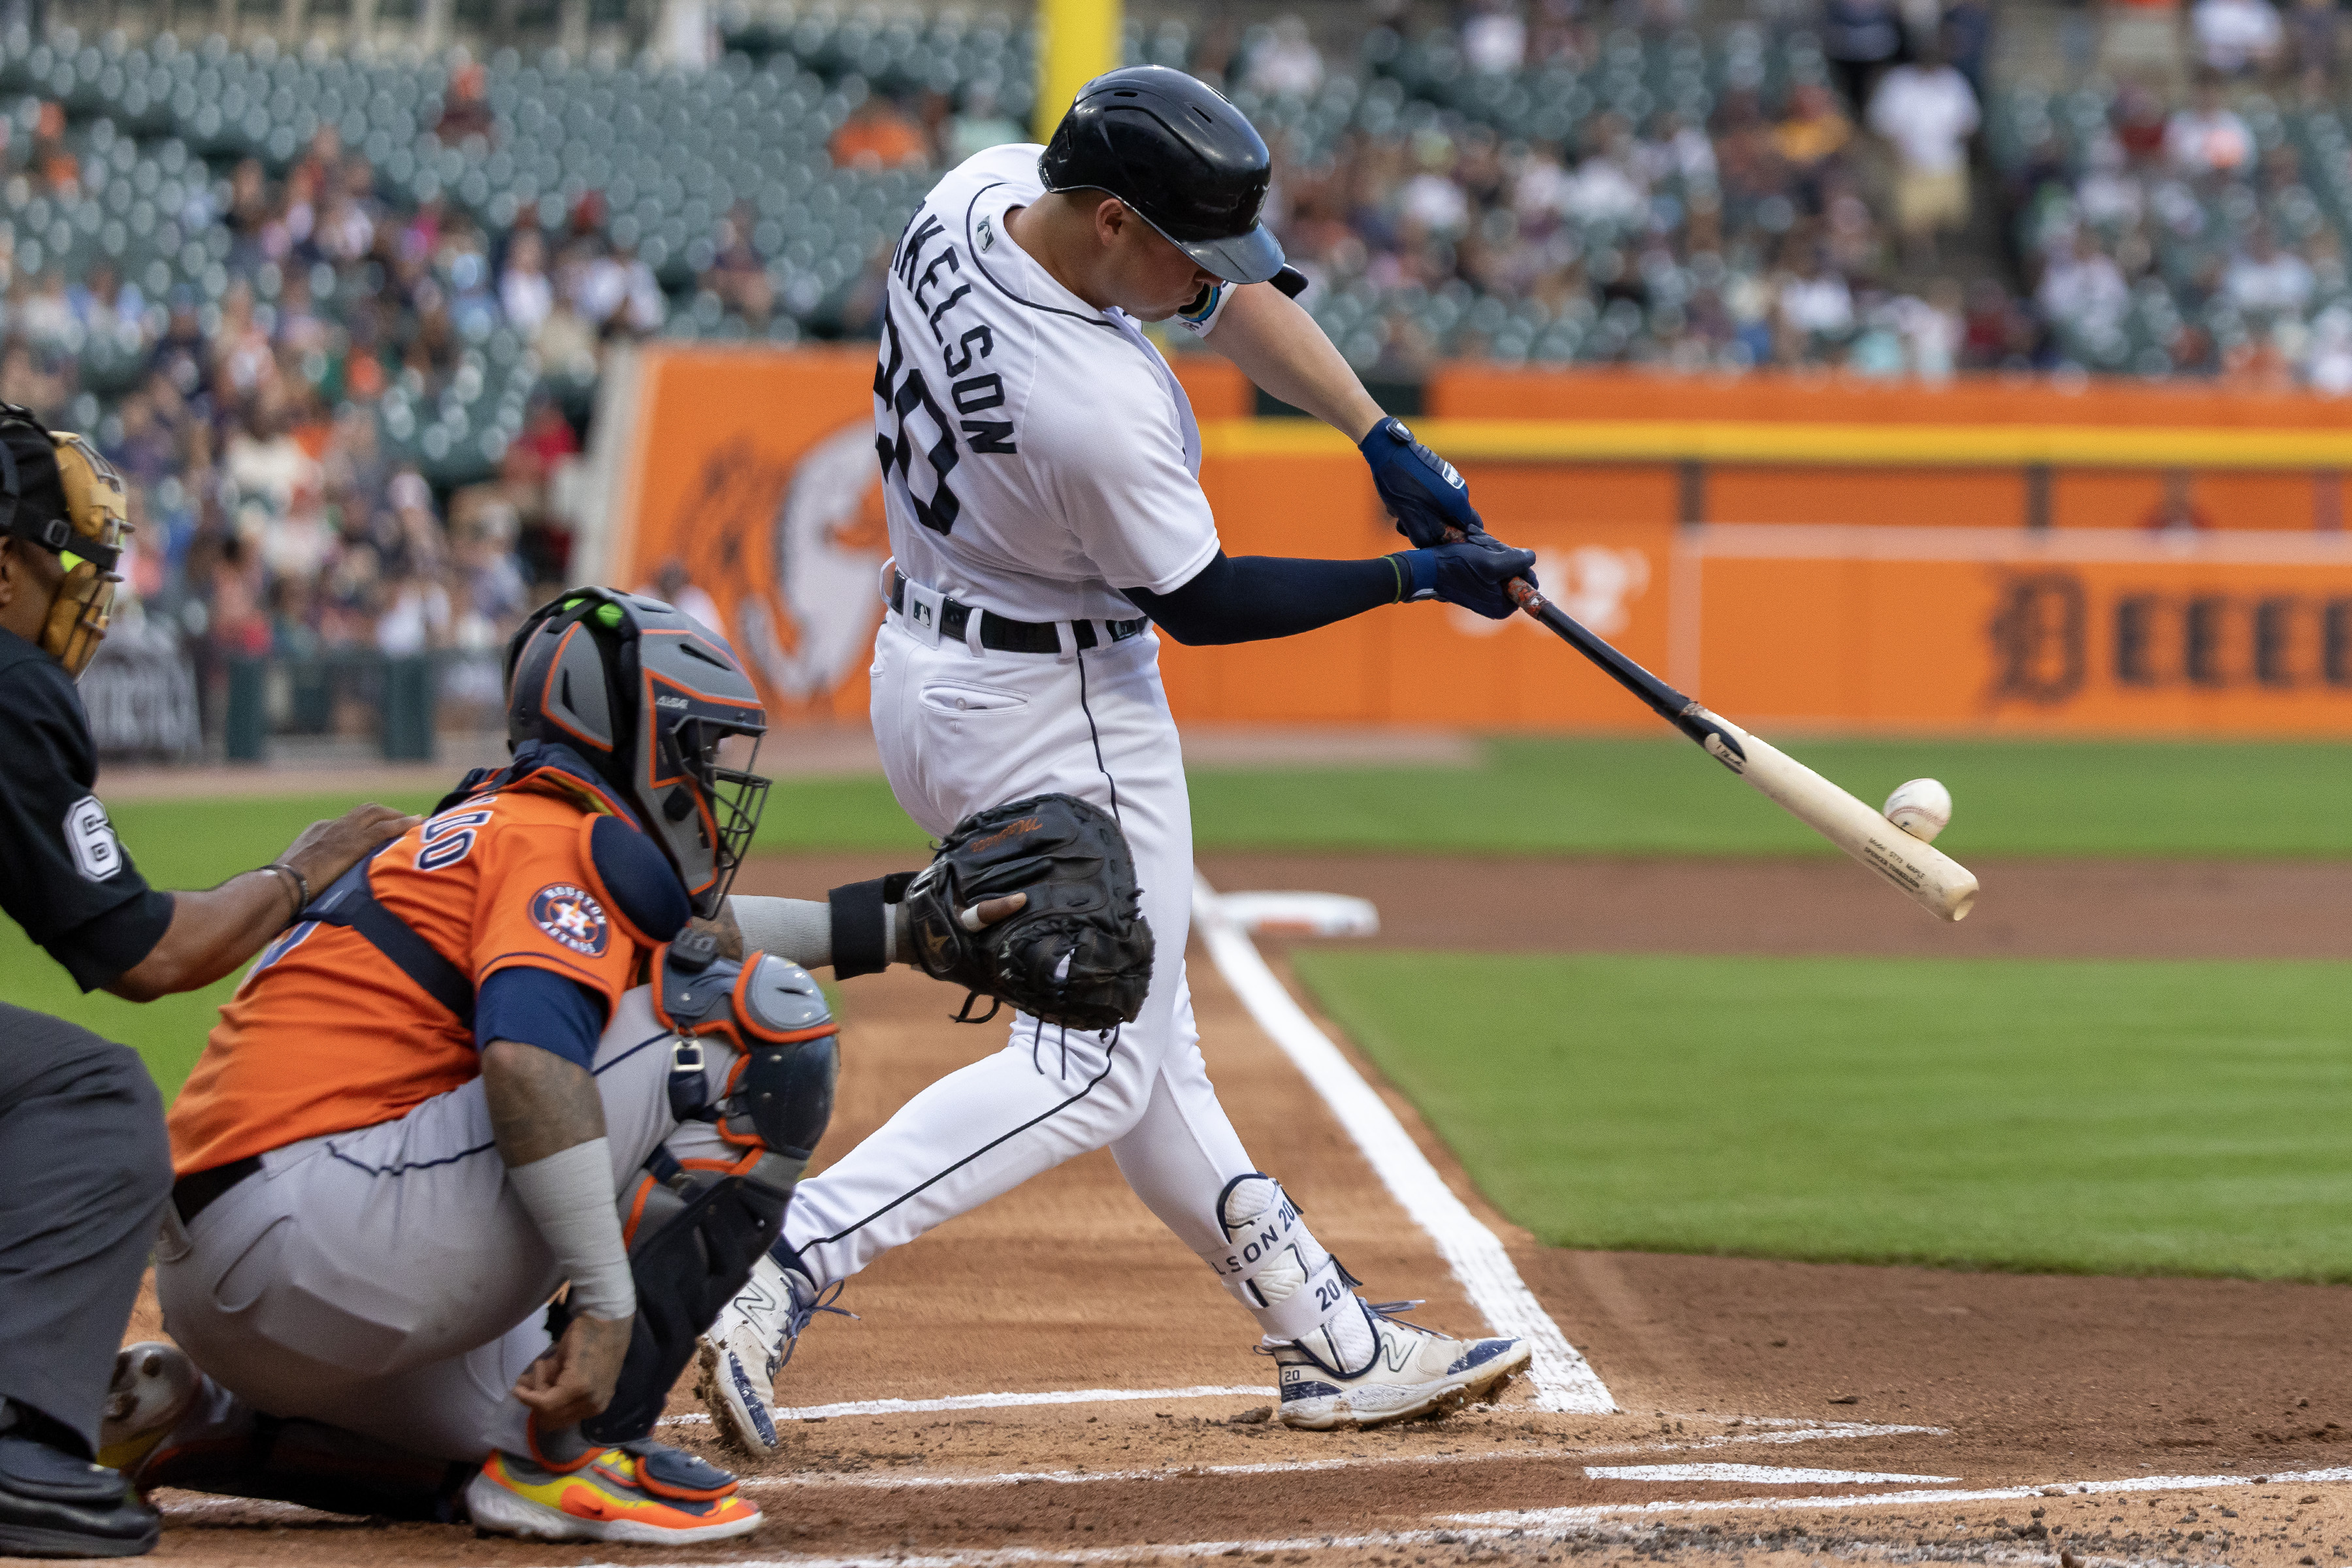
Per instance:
(84,1165)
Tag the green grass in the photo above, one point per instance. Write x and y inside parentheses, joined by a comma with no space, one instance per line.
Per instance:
(2112,1118)
(1662,796)
(1649,795)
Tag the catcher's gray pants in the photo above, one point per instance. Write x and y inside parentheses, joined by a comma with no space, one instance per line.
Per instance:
(388,1282)
(84,1169)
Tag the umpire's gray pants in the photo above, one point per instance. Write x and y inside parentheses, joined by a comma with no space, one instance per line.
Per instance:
(84,1169)
(388,1280)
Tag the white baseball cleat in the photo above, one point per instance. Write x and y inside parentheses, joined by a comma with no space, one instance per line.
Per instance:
(748,1343)
(1411,1371)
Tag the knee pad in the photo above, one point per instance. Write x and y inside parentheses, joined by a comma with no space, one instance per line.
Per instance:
(1273,1265)
(695,1228)
(777,1097)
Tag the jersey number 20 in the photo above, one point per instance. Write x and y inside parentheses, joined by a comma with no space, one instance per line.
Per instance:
(909,414)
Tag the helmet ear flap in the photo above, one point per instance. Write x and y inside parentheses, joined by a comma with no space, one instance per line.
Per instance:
(567,691)
(577,698)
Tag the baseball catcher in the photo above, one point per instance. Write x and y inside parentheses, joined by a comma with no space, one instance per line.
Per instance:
(443,1091)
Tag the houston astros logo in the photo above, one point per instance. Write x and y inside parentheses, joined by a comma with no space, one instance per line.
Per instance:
(571,916)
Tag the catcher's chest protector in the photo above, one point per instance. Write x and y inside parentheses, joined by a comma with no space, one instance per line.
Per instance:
(696,1227)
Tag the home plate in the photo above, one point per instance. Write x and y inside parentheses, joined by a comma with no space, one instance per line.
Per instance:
(1755,1475)
(1302,914)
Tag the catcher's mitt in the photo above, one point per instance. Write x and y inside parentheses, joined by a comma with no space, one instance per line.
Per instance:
(1079,953)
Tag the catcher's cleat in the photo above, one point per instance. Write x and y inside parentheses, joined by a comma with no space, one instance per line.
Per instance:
(1411,1371)
(155,1386)
(640,1494)
(750,1342)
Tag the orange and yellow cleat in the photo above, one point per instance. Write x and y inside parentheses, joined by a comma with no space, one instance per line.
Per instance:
(639,1493)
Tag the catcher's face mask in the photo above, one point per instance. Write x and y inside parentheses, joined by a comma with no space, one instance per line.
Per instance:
(88,541)
(649,695)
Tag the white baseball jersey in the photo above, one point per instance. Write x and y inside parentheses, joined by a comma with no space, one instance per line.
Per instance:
(1037,454)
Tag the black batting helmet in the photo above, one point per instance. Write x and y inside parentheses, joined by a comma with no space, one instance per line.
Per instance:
(1181,157)
(645,693)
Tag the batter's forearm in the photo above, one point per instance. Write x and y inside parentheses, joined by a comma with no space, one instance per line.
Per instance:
(1249,598)
(1278,346)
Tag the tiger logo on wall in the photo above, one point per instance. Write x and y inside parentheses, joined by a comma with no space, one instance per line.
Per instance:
(790,550)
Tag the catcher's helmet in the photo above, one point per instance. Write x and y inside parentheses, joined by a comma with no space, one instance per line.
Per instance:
(645,693)
(57,492)
(1176,151)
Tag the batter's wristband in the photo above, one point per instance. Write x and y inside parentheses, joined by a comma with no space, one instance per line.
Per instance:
(861,938)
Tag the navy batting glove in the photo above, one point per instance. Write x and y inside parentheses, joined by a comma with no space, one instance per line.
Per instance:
(1471,573)
(1420,488)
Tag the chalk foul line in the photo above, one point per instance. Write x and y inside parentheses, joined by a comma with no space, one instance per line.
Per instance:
(888,1481)
(1544,1518)
(1563,1379)
(1489,1528)
(994,1401)
(1755,1475)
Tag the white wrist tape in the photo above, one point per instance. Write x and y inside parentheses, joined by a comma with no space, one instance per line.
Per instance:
(569,1195)
(798,930)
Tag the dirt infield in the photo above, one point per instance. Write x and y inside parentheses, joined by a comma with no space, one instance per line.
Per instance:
(1903,1414)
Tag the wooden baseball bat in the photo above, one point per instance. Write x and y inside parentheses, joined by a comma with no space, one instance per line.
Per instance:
(1933,878)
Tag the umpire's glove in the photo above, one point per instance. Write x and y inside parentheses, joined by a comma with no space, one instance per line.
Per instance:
(1420,488)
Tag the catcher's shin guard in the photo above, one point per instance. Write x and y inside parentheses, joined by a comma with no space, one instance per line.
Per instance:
(696,1227)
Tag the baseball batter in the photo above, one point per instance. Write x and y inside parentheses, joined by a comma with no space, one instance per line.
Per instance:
(1040,465)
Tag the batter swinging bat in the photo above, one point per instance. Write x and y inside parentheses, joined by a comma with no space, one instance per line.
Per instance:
(1932,877)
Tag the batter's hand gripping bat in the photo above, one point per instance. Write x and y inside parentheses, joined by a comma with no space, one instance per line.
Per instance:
(1932,877)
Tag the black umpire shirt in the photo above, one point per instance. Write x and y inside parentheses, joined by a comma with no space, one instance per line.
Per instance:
(64,877)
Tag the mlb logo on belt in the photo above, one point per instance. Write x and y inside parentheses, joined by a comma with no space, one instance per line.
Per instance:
(571,915)
(922,610)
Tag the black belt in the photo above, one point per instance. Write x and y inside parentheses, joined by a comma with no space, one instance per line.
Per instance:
(193,1192)
(1007,635)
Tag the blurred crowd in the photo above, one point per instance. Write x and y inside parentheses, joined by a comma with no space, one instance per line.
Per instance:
(1822,183)
(1803,224)
(271,518)
(2188,215)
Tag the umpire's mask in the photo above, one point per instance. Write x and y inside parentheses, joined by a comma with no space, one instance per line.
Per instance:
(57,492)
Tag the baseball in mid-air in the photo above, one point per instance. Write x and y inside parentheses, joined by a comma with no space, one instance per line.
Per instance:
(1922,808)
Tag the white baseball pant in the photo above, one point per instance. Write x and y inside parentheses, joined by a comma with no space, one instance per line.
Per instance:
(962,729)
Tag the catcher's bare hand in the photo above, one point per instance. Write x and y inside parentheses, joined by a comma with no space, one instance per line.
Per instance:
(724,930)
(328,849)
(574,1379)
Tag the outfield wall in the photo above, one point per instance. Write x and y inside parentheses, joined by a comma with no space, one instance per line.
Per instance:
(1879,577)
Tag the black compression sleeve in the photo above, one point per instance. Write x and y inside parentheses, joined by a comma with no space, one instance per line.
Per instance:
(1251,597)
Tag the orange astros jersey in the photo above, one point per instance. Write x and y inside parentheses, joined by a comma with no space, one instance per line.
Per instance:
(326,1034)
